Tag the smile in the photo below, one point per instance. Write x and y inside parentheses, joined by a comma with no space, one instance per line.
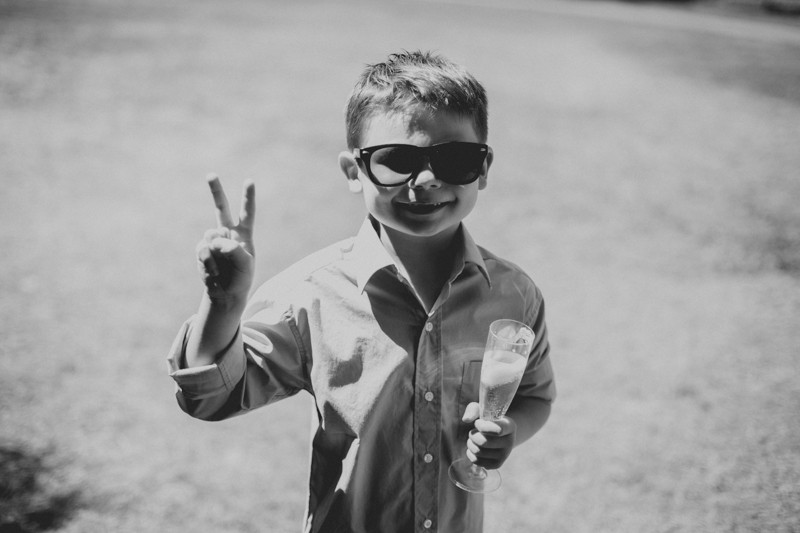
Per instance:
(422,208)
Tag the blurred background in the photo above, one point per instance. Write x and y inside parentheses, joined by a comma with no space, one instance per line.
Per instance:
(646,176)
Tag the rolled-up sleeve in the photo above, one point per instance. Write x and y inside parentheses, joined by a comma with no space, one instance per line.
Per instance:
(539,381)
(265,362)
(200,382)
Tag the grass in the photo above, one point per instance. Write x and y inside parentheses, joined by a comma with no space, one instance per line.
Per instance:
(645,177)
(29,499)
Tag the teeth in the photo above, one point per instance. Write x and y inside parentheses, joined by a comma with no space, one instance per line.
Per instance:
(424,206)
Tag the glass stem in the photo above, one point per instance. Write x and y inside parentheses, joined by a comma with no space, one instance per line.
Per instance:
(477,471)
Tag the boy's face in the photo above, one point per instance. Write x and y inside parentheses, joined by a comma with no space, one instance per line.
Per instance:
(425,207)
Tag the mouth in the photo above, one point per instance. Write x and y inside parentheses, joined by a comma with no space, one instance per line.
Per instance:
(422,208)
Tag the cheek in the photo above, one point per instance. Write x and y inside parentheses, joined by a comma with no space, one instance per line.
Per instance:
(374,200)
(469,198)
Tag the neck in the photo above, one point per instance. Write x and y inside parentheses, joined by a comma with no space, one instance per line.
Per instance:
(412,251)
(425,262)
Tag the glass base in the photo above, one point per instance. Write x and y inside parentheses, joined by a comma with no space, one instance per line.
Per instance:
(473,478)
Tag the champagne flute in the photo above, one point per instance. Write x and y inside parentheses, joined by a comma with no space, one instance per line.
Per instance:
(504,361)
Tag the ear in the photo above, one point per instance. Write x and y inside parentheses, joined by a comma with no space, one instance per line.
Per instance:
(482,181)
(349,166)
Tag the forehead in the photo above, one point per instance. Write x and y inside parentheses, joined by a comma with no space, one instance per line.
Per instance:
(421,127)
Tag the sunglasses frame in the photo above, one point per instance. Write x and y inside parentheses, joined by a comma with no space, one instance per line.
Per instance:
(364,154)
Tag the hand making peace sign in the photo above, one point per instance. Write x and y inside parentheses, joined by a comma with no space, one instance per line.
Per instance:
(226,255)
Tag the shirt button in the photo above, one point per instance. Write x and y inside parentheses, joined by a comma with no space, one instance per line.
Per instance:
(427,524)
(427,458)
(428,326)
(429,396)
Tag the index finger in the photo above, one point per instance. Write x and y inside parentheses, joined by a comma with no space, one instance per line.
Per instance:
(248,211)
(224,218)
(490,427)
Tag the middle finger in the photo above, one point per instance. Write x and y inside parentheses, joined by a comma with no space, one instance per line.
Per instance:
(224,218)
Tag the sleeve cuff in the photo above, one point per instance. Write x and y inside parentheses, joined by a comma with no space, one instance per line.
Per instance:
(200,382)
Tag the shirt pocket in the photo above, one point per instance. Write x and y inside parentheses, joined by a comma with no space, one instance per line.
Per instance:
(470,384)
(470,388)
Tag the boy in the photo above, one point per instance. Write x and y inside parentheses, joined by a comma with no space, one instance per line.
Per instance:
(386,330)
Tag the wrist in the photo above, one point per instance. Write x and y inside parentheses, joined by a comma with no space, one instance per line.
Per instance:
(224,304)
(213,329)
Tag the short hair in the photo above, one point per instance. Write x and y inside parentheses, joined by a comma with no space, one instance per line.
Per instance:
(410,79)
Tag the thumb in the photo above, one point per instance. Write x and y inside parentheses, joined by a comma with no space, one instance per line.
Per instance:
(471,413)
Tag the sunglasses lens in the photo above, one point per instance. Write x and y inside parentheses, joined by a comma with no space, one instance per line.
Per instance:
(459,163)
(395,164)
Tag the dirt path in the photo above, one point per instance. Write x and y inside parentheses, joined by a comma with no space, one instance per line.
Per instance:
(716,18)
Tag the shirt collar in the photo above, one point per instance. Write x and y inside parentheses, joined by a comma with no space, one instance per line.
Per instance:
(370,256)
(472,254)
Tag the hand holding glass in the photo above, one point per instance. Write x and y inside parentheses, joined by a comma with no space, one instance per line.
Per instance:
(504,362)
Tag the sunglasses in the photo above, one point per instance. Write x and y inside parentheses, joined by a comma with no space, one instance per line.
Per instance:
(392,165)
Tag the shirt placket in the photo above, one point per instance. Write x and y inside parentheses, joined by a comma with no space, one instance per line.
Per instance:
(427,426)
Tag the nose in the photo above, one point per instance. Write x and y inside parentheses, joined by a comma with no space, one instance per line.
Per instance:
(425,179)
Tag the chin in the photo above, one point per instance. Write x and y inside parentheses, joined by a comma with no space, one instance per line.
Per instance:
(423,229)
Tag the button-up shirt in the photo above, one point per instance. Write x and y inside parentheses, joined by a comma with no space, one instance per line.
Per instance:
(390,381)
